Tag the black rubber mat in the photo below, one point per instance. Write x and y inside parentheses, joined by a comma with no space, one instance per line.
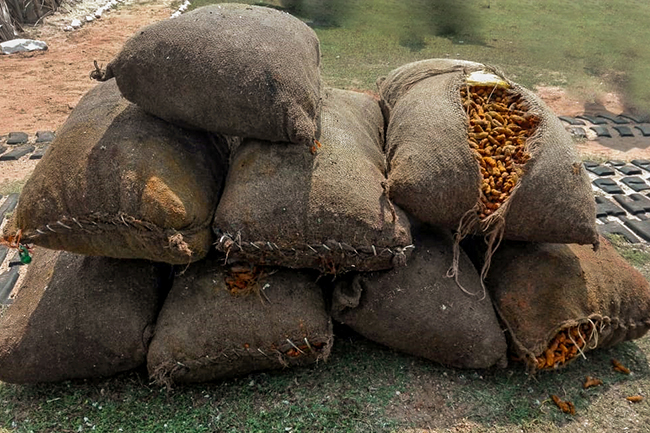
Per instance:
(636,119)
(614,118)
(17,153)
(642,163)
(609,186)
(634,203)
(635,183)
(39,152)
(640,228)
(605,207)
(7,282)
(645,130)
(601,170)
(624,131)
(593,119)
(629,170)
(17,138)
(571,120)
(616,228)
(601,131)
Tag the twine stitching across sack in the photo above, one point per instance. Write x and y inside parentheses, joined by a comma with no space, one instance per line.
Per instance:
(232,242)
(99,223)
(164,373)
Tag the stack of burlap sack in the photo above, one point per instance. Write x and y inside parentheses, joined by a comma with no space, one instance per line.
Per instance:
(191,203)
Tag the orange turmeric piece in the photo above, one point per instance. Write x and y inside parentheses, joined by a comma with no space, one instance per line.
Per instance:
(591,381)
(242,280)
(499,125)
(620,367)
(634,398)
(565,406)
(297,351)
(567,344)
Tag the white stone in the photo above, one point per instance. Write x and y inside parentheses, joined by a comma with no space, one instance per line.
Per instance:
(21,46)
(89,18)
(75,24)
(98,13)
(176,14)
(68,29)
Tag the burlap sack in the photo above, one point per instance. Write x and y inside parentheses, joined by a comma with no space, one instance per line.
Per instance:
(205,333)
(434,175)
(540,290)
(118,182)
(230,68)
(418,310)
(282,206)
(79,317)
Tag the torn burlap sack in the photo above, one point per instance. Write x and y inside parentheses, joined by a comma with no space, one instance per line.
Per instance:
(561,301)
(233,69)
(418,310)
(283,206)
(79,317)
(209,329)
(441,172)
(121,183)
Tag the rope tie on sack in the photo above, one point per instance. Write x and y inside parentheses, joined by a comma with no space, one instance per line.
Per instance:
(99,74)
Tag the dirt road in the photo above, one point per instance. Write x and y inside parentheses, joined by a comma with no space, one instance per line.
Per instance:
(38,90)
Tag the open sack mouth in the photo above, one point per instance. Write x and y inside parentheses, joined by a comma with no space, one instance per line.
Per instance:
(500,125)
(568,344)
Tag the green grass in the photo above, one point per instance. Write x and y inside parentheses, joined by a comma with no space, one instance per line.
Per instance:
(594,158)
(332,396)
(589,46)
(348,394)
(638,255)
(363,388)
(15,186)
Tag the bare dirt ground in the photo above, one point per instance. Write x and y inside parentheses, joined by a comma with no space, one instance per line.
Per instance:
(39,90)
(564,104)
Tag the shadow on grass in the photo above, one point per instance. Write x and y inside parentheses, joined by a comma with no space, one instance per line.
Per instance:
(514,398)
(349,393)
(364,387)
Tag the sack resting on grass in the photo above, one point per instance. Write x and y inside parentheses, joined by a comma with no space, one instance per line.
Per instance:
(437,175)
(121,183)
(418,310)
(559,301)
(206,331)
(282,206)
(233,69)
(79,317)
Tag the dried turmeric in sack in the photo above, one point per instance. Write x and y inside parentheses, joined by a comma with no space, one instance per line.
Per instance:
(470,150)
(559,302)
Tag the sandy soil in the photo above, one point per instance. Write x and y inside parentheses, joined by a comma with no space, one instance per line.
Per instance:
(38,90)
